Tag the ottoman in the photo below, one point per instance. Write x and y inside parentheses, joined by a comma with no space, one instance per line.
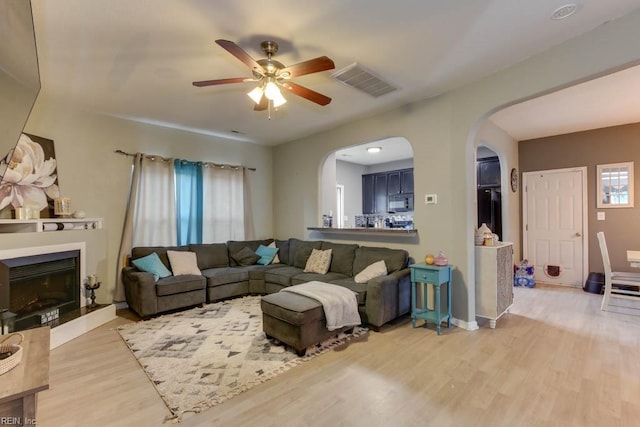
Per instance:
(295,320)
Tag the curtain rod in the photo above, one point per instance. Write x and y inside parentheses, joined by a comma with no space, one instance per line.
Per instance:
(124,153)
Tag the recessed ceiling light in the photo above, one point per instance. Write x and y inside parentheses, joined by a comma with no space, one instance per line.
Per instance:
(564,11)
(374,150)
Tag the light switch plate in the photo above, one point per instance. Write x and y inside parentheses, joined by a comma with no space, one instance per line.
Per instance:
(600,216)
(430,199)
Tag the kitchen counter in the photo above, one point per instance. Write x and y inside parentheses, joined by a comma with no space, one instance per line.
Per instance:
(371,231)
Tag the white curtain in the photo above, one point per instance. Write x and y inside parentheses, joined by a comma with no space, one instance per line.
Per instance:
(155,210)
(223,204)
(127,229)
(249,230)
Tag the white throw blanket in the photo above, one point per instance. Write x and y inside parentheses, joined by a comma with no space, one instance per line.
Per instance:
(340,304)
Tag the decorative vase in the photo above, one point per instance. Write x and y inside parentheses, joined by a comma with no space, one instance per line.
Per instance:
(429,259)
(481,233)
(440,260)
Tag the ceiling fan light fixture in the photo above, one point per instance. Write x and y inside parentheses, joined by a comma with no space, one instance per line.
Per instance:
(256,94)
(278,100)
(271,91)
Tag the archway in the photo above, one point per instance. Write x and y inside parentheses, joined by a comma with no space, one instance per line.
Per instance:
(344,193)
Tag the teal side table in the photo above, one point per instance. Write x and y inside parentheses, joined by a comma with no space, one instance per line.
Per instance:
(435,276)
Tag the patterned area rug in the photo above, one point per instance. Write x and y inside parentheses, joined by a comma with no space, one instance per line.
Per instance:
(204,356)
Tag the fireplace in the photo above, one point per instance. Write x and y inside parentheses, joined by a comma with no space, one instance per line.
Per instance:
(40,289)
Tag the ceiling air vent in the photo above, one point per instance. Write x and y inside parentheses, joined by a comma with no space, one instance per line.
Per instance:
(357,76)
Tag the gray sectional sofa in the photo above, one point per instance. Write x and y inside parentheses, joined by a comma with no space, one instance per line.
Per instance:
(380,300)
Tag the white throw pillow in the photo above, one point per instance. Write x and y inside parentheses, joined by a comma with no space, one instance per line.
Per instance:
(376,269)
(183,262)
(318,262)
(276,259)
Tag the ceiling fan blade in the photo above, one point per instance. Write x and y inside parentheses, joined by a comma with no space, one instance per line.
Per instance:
(321,63)
(222,81)
(307,93)
(243,56)
(263,105)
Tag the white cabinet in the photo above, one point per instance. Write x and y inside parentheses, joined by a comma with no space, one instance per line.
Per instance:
(494,281)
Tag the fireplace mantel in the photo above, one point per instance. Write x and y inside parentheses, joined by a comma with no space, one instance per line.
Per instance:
(48,224)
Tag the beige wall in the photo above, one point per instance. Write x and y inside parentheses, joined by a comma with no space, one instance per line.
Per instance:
(97,180)
(590,148)
(442,131)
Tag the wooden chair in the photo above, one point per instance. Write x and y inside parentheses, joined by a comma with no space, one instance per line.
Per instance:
(616,284)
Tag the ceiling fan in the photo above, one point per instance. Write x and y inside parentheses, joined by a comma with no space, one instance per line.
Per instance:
(272,75)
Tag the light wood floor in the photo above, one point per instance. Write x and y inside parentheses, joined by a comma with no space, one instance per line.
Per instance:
(556,359)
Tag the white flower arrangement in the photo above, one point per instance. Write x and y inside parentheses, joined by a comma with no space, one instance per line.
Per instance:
(29,178)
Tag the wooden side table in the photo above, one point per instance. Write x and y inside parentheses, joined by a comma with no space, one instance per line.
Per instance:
(19,386)
(435,276)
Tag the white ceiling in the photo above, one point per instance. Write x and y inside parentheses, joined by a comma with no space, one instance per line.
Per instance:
(136,59)
(607,101)
(391,150)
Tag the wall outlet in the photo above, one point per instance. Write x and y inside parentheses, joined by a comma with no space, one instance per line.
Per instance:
(430,199)
(600,216)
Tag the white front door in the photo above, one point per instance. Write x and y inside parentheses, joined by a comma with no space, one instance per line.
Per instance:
(554,224)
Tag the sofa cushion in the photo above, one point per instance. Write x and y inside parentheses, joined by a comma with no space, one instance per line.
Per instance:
(300,251)
(225,275)
(281,276)
(359,288)
(266,254)
(283,251)
(309,277)
(152,264)
(245,256)
(183,262)
(175,285)
(342,256)
(211,255)
(377,269)
(140,251)
(234,247)
(395,259)
(318,262)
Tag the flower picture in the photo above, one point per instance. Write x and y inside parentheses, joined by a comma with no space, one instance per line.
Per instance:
(30,179)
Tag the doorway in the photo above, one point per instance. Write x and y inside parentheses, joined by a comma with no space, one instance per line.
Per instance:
(554,207)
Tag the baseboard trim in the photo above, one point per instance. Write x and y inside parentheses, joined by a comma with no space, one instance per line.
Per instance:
(469,326)
(76,327)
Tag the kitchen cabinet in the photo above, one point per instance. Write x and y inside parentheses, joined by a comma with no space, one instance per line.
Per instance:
(400,182)
(494,281)
(377,187)
(393,183)
(488,172)
(380,193)
(368,194)
(406,181)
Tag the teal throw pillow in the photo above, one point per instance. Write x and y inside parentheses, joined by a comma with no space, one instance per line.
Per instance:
(152,264)
(266,254)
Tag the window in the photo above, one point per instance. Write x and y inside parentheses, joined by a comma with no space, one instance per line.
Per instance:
(615,185)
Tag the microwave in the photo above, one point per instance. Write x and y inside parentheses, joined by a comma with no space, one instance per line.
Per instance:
(401,203)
